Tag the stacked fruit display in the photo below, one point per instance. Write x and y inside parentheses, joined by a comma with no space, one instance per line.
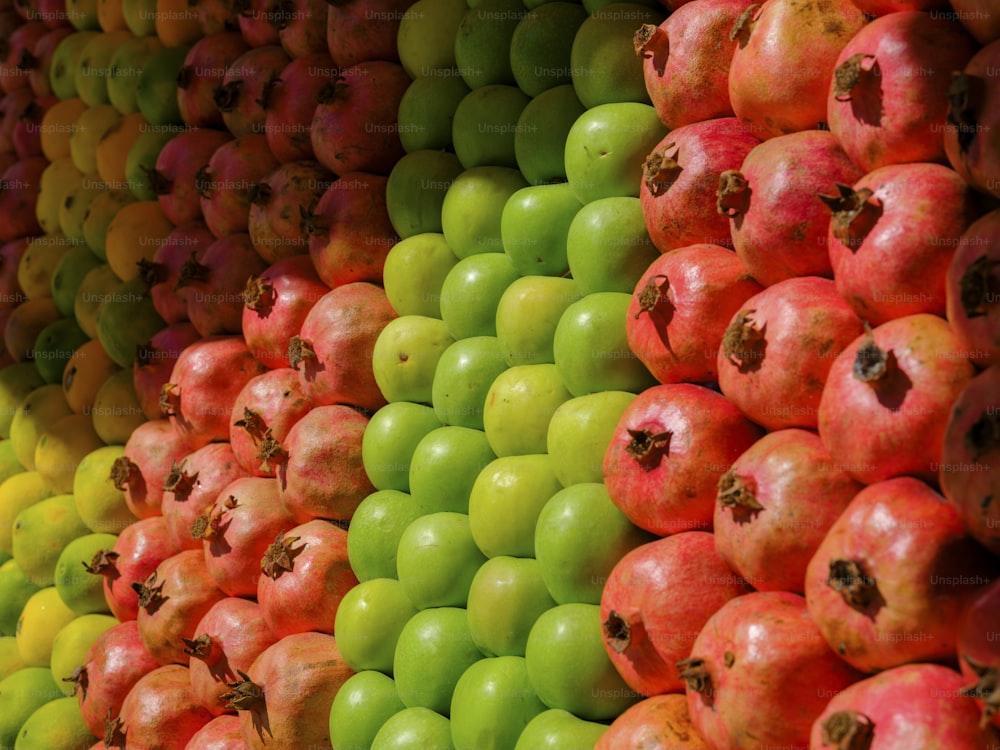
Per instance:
(499,374)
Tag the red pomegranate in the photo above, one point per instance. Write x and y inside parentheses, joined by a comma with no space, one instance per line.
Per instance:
(191,487)
(275,305)
(686,59)
(304,575)
(255,21)
(658,723)
(159,713)
(204,383)
(264,412)
(16,64)
(970,137)
(19,188)
(224,184)
(754,653)
(154,363)
(354,126)
(236,531)
(245,88)
(205,69)
(300,28)
(27,135)
(172,600)
(892,238)
(777,221)
(115,661)
(669,448)
(221,733)
(645,632)
(978,18)
(680,180)
(362,30)
(888,99)
(882,605)
(11,293)
(887,397)
(972,290)
(291,103)
(350,230)
(337,369)
(286,688)
(778,349)
(680,310)
(979,653)
(970,455)
(142,469)
(173,179)
(775,505)
(136,553)
(229,637)
(160,274)
(215,16)
(912,705)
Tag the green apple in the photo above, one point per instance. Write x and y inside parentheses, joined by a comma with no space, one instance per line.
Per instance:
(527,315)
(81,591)
(141,160)
(556,729)
(100,212)
(608,246)
(519,407)
(507,596)
(21,693)
(569,668)
(414,271)
(73,209)
(462,379)
(470,213)
(505,502)
(425,39)
(140,16)
(606,148)
(436,560)
(361,706)
(541,47)
(126,319)
(88,130)
(580,536)
(15,590)
(156,91)
(54,345)
(368,623)
(125,68)
(471,292)
(427,108)
(414,728)
(605,66)
(540,136)
(493,702)
(94,66)
(17,380)
(579,434)
(68,274)
(482,43)
(482,131)
(434,648)
(376,526)
(417,186)
(534,225)
(405,356)
(444,467)
(390,436)
(591,349)
(62,69)
(82,15)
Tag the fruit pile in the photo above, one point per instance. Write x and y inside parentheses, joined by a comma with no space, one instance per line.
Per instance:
(499,374)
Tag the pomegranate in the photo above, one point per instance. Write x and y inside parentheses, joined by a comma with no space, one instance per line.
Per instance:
(354,126)
(880,605)
(191,487)
(19,187)
(115,661)
(255,21)
(685,61)
(214,280)
(11,294)
(224,184)
(161,273)
(361,30)
(893,235)
(154,362)
(778,349)
(912,705)
(136,553)
(291,103)
(888,99)
(657,723)
(275,305)
(215,16)
(18,58)
(304,575)
(350,230)
(647,633)
(978,18)
(264,412)
(778,224)
(27,135)
(172,600)
(143,467)
(221,733)
(322,474)
(236,531)
(204,383)
(970,137)
(887,397)
(760,673)
(668,450)
(968,474)
(286,688)
(775,505)
(159,713)
(337,369)
(680,310)
(245,88)
(972,290)
(299,25)
(204,69)
(230,636)
(979,653)
(173,179)
(680,179)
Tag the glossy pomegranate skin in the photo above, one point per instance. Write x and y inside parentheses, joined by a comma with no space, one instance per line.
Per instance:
(150,452)
(972,291)
(224,184)
(291,104)
(154,362)
(243,89)
(173,180)
(159,712)
(205,68)
(660,721)
(184,242)
(979,652)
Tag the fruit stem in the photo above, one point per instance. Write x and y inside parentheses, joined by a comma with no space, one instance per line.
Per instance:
(849,73)
(979,286)
(854,214)
(965,95)
(743,343)
(245,694)
(986,689)
(280,556)
(649,35)
(660,171)
(179,481)
(848,578)
(694,672)
(258,295)
(652,293)
(192,272)
(733,195)
(983,435)
(648,448)
(299,350)
(124,472)
(872,364)
(743,25)
(737,493)
(848,730)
